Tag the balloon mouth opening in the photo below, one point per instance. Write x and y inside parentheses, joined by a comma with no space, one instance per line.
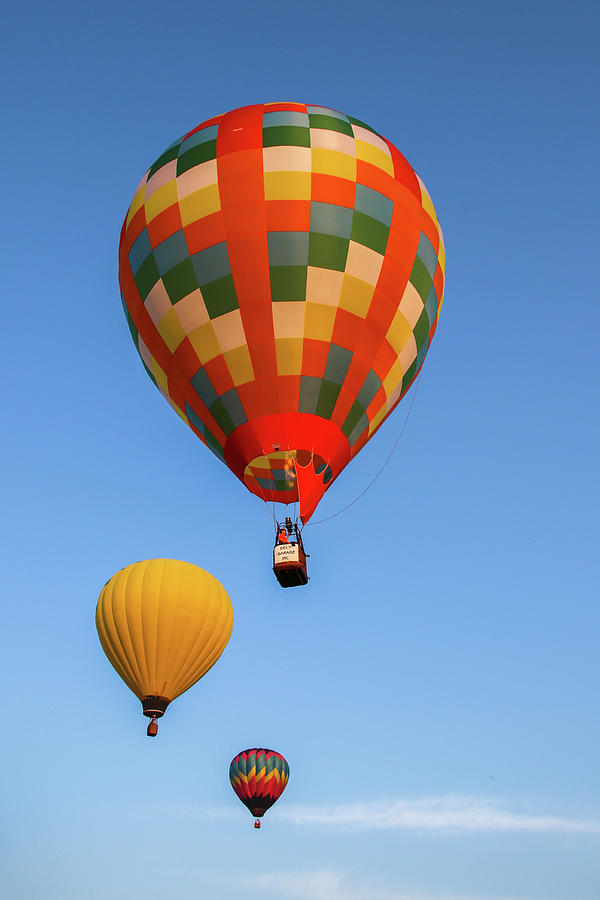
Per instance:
(154,707)
(276,473)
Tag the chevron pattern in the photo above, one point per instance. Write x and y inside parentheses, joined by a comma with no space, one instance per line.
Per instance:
(259,776)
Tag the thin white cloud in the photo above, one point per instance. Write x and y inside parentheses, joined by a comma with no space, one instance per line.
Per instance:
(447,814)
(316,885)
(441,814)
(330,885)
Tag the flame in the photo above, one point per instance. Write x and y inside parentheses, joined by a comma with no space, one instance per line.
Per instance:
(289,469)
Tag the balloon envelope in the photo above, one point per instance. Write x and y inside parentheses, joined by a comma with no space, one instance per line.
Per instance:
(281,268)
(259,776)
(162,624)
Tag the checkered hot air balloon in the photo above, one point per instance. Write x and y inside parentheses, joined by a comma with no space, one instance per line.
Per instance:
(281,269)
(259,778)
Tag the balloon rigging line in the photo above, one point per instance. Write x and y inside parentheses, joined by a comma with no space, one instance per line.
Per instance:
(391,453)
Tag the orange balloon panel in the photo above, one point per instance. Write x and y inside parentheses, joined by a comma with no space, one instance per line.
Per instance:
(282,268)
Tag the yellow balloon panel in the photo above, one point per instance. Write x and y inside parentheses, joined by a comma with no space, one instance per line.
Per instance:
(163,624)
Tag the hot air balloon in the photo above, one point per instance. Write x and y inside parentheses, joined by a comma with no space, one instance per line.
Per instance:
(259,778)
(162,624)
(281,268)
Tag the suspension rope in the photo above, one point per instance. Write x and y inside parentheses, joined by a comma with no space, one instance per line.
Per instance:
(391,453)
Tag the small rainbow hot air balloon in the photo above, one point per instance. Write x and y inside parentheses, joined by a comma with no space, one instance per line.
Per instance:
(281,269)
(162,624)
(259,777)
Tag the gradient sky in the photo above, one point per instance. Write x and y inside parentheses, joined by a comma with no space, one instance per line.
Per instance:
(435,687)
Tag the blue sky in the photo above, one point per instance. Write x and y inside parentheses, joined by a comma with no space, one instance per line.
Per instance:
(434,689)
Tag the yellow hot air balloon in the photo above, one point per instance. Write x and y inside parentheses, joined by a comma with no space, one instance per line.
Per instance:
(162,624)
